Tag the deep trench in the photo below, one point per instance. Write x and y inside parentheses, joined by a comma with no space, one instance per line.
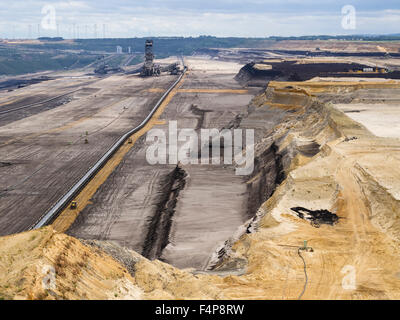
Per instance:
(200,114)
(268,174)
(159,227)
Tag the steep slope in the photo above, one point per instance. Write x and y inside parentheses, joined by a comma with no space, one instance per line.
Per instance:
(353,176)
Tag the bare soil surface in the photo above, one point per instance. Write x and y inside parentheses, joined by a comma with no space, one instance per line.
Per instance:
(46,153)
(310,157)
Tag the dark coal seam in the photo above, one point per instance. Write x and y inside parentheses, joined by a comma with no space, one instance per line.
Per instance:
(265,189)
(160,223)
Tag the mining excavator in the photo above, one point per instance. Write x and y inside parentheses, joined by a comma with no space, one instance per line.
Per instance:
(151,69)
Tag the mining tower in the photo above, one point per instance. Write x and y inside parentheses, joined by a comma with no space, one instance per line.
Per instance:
(149,68)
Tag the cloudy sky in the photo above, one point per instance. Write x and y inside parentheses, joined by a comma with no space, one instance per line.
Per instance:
(250,18)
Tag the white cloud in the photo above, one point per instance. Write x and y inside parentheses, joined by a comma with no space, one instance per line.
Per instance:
(256,18)
(68,5)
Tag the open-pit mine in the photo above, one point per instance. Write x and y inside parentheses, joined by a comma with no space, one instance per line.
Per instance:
(85,215)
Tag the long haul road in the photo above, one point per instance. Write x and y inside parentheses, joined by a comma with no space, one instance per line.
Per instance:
(128,201)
